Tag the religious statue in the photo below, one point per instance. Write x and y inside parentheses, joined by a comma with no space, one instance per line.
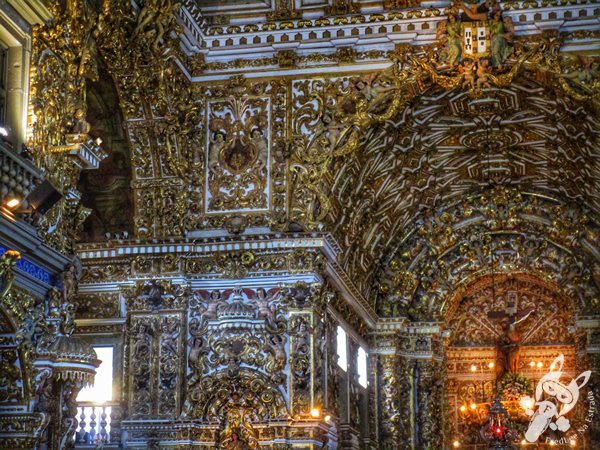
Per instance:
(511,344)
(217,144)
(260,145)
(236,443)
(501,30)
(452,31)
(69,279)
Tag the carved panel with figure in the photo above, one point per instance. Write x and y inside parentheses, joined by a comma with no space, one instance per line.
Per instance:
(238,169)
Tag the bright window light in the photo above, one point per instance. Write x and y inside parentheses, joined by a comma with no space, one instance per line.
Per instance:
(361,365)
(101,391)
(342,348)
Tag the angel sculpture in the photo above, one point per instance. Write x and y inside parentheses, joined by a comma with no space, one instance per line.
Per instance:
(467,70)
(483,79)
(260,145)
(501,30)
(590,70)
(216,145)
(450,34)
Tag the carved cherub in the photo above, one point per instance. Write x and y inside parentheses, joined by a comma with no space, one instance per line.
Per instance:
(483,79)
(198,350)
(332,129)
(276,346)
(262,302)
(259,142)
(217,143)
(468,73)
(213,303)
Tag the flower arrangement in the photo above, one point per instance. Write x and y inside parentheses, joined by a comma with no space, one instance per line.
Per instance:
(513,386)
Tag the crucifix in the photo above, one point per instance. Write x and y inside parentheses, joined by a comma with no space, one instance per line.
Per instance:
(511,340)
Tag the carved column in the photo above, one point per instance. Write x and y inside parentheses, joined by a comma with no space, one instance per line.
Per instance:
(155,351)
(421,373)
(430,411)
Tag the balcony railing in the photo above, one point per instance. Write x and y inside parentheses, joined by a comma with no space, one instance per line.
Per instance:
(97,423)
(18,175)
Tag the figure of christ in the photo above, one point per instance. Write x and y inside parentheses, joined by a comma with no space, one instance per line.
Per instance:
(510,344)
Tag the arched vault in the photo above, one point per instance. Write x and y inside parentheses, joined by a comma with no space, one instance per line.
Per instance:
(392,189)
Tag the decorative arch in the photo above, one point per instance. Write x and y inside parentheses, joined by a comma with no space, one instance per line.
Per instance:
(500,230)
(373,153)
(551,323)
(212,397)
(106,191)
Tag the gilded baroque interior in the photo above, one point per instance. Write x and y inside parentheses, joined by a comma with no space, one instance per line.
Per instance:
(307,224)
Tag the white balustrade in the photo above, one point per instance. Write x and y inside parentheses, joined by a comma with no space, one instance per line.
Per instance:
(94,423)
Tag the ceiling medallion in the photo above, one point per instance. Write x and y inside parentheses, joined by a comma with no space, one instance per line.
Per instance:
(495,139)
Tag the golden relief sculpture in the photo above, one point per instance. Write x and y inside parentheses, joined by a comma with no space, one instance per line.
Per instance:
(463,257)
(167,154)
(389,162)
(238,154)
(43,365)
(249,358)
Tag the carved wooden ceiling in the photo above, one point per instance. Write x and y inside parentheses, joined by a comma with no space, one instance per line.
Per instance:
(448,145)
(409,198)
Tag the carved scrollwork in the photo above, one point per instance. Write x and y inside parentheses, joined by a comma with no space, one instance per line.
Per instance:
(503,222)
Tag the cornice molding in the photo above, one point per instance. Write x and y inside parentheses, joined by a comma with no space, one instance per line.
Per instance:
(34,12)
(113,251)
(216,51)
